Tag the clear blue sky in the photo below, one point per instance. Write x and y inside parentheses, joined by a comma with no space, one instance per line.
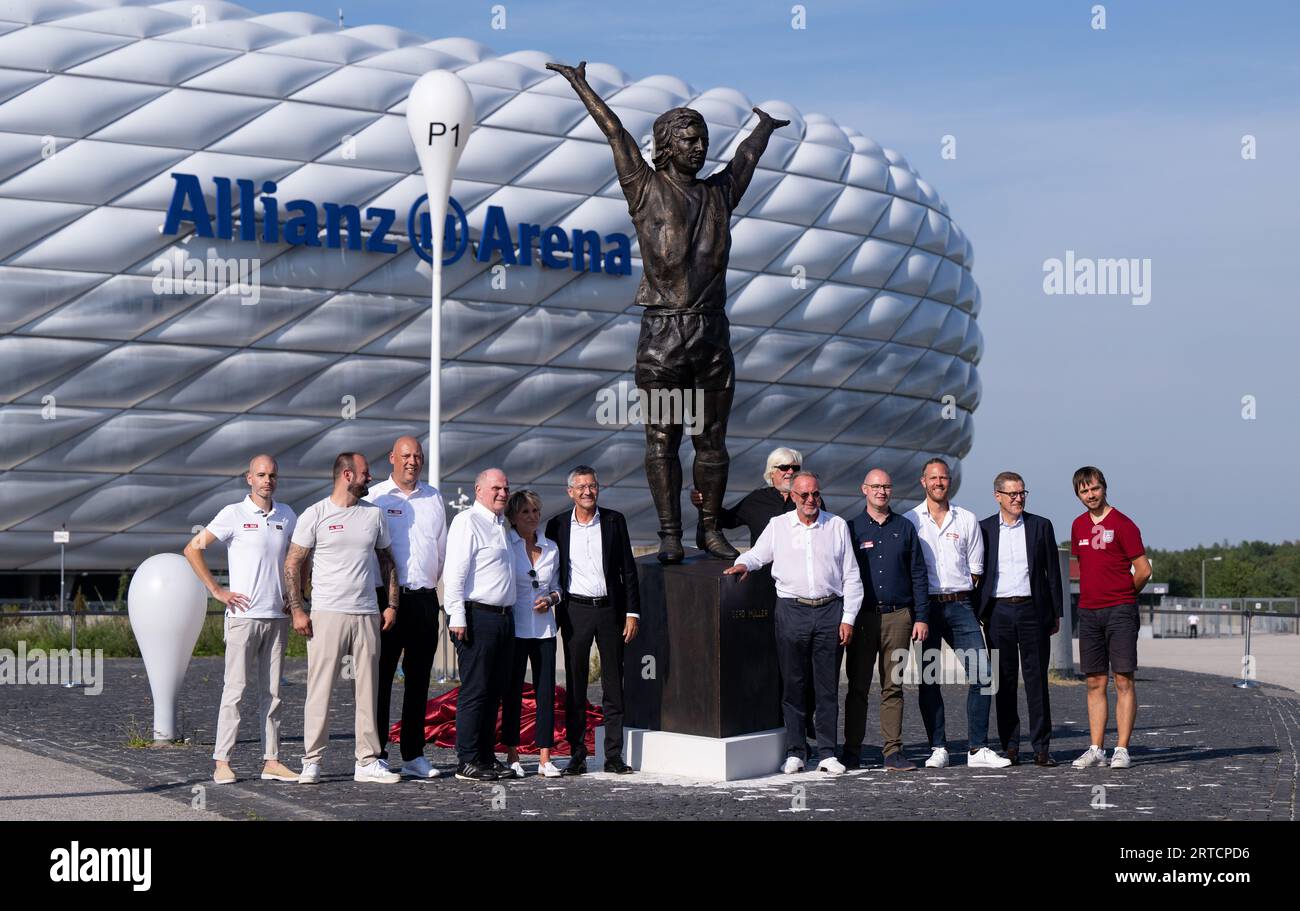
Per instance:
(1117,143)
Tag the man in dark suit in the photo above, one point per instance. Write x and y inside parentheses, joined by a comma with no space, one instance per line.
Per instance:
(601,602)
(1019,603)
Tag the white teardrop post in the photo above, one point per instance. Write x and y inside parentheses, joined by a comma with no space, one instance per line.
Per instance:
(440,116)
(166,603)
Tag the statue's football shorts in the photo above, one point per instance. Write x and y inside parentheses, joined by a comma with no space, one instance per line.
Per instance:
(685,349)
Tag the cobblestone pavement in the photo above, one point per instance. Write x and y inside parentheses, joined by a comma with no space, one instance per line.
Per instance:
(1202,750)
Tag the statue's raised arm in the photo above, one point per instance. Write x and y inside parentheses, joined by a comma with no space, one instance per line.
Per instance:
(751,150)
(627,155)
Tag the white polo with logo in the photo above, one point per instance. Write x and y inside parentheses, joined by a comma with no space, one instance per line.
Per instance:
(256,541)
(342,538)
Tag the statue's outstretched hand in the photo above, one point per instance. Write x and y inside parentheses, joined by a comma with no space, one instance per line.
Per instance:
(571,73)
(765,117)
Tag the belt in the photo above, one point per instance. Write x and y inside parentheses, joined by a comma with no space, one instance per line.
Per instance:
(588,602)
(415,591)
(952,596)
(816,602)
(1018,599)
(491,608)
(890,608)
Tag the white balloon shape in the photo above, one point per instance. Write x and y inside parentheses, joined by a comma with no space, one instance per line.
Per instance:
(440,116)
(166,603)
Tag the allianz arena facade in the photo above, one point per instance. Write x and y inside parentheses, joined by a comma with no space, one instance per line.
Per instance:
(129,414)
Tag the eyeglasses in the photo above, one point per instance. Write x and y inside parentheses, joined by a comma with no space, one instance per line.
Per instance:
(533,573)
(583,488)
(786,467)
(1014,494)
(811,493)
(880,487)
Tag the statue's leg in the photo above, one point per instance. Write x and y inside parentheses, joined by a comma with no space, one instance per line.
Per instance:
(711,465)
(663,471)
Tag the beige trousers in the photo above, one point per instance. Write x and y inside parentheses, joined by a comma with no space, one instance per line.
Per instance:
(347,646)
(254,653)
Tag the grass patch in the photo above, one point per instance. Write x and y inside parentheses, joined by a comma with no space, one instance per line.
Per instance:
(1057,678)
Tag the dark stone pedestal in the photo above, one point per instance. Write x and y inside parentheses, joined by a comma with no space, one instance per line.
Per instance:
(713,646)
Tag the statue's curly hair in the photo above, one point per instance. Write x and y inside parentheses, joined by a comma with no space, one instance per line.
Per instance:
(670,123)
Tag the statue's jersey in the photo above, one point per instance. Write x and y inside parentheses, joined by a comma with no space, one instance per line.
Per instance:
(685,236)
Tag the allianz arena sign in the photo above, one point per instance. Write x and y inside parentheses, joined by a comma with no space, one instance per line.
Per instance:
(335,225)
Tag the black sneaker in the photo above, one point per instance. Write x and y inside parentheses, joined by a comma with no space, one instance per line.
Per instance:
(470,771)
(895,762)
(576,767)
(617,767)
(501,769)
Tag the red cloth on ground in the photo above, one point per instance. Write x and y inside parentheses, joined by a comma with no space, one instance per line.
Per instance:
(440,723)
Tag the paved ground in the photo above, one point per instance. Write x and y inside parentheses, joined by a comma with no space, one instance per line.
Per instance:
(1203,750)
(1277,656)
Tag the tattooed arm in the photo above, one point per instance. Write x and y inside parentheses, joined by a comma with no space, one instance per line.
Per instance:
(388,573)
(293,563)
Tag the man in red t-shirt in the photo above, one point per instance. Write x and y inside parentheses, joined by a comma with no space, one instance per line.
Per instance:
(1113,568)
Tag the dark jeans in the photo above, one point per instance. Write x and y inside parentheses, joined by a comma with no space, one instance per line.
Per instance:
(808,655)
(954,622)
(541,652)
(581,625)
(485,656)
(1016,631)
(414,640)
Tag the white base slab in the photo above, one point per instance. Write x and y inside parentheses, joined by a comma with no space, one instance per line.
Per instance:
(705,758)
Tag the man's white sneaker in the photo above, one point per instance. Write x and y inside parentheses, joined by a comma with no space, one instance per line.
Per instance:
(310,773)
(1120,759)
(938,759)
(374,773)
(792,764)
(1094,756)
(832,766)
(419,768)
(984,758)
(549,770)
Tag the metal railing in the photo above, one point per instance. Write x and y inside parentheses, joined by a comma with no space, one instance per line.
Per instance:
(1222,617)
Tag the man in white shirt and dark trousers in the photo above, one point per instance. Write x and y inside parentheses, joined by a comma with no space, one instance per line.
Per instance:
(340,533)
(256,532)
(417,525)
(602,603)
(818,596)
(954,561)
(478,585)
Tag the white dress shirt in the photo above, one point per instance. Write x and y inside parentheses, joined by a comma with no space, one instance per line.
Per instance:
(417,523)
(953,552)
(1013,560)
(586,558)
(531,624)
(256,542)
(479,564)
(809,561)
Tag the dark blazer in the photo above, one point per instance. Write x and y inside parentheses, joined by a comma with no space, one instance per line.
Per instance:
(616,552)
(1044,567)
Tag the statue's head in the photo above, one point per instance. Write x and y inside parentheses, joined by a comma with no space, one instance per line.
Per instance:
(682,137)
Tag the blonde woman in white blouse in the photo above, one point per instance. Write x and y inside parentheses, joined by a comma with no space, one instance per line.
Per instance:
(536,563)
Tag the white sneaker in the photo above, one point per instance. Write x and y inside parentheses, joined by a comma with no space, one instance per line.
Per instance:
(1094,756)
(375,773)
(831,766)
(419,768)
(1119,759)
(938,759)
(310,773)
(984,758)
(549,770)
(517,768)
(792,764)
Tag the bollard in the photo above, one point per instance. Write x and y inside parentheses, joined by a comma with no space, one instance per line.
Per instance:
(1247,681)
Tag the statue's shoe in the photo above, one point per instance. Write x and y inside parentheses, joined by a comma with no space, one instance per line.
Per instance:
(718,546)
(670,548)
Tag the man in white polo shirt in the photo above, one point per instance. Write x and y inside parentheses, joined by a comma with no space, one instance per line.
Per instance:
(818,596)
(417,525)
(256,533)
(954,561)
(340,533)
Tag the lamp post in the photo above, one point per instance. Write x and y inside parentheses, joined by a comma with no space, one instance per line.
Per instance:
(1203,562)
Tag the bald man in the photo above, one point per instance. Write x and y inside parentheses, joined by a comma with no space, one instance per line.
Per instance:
(256,532)
(478,586)
(417,525)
